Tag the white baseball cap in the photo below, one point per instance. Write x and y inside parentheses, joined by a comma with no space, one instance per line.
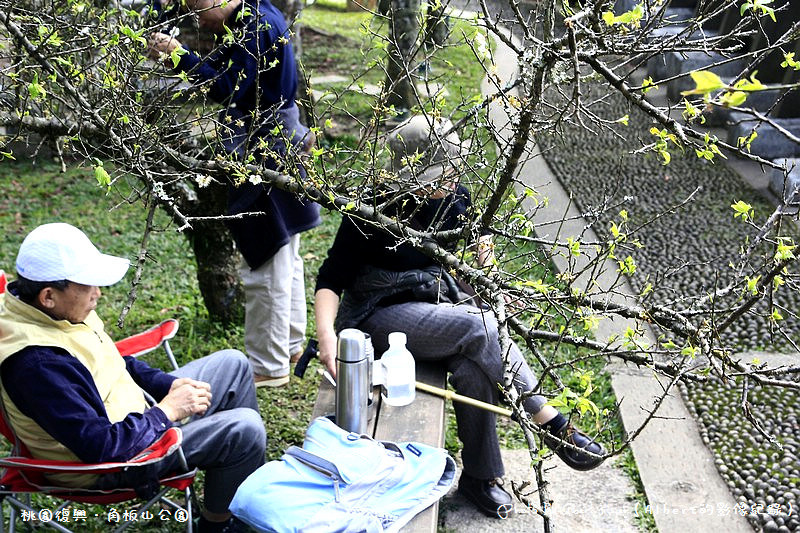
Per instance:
(57,251)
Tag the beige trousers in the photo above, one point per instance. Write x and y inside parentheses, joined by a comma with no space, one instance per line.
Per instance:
(275,310)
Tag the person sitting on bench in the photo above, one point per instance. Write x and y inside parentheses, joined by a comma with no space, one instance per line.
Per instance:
(69,395)
(377,282)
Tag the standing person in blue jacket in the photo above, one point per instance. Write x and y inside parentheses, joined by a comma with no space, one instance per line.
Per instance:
(255,78)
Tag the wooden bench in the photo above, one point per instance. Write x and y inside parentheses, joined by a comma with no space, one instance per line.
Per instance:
(422,421)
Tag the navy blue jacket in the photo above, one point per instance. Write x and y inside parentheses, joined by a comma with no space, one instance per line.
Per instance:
(255,79)
(257,70)
(53,388)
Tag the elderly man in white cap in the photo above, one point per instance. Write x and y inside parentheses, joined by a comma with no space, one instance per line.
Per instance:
(70,396)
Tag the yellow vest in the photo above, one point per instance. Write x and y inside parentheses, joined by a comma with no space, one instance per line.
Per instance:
(22,325)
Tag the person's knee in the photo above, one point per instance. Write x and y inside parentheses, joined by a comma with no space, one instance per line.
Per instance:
(248,431)
(231,354)
(481,330)
(252,430)
(234,360)
(471,380)
(481,346)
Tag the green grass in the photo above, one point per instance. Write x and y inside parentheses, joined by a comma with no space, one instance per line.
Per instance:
(353,44)
(333,17)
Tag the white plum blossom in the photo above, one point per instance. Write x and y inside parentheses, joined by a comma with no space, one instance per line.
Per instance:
(481,47)
(202,180)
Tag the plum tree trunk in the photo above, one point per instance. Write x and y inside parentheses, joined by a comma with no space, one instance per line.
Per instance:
(217,259)
(403,34)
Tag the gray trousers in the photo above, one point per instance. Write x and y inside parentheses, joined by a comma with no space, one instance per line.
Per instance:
(228,442)
(466,339)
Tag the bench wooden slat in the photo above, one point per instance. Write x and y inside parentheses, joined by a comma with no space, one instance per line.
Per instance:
(422,421)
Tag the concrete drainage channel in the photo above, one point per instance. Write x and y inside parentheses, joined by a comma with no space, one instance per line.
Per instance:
(765,482)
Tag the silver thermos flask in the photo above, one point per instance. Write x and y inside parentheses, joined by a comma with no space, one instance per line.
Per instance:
(352,381)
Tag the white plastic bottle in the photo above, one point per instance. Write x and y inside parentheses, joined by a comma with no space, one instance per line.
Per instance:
(399,372)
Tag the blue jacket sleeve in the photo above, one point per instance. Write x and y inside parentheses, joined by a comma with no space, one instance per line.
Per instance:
(58,392)
(229,74)
(155,382)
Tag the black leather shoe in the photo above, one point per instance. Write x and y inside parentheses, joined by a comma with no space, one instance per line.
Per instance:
(231,525)
(488,495)
(574,458)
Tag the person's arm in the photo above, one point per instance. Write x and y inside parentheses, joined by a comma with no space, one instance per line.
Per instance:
(160,47)
(152,380)
(177,397)
(326,304)
(351,246)
(186,397)
(336,274)
(485,258)
(236,74)
(462,212)
(58,392)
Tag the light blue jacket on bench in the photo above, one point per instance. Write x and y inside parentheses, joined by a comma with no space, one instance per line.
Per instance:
(344,482)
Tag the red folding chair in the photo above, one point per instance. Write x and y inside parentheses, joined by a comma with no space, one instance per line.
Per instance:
(23,476)
(152,339)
